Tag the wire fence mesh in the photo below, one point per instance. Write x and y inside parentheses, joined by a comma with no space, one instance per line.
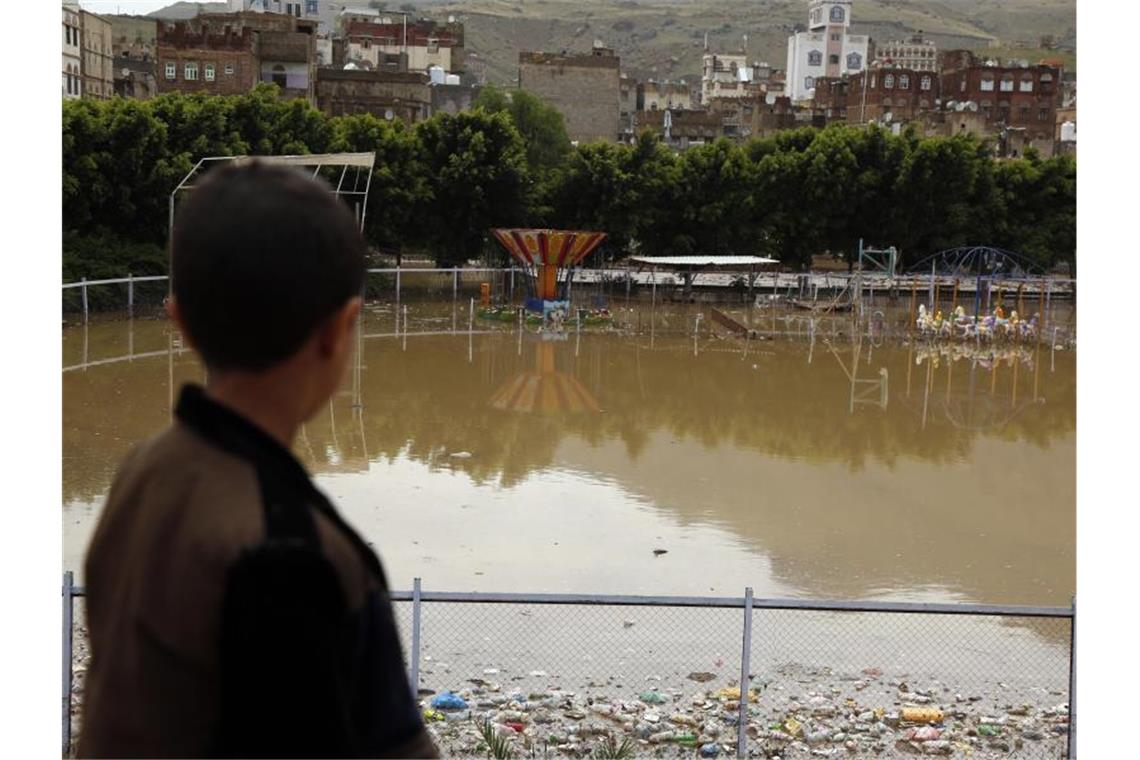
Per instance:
(580,678)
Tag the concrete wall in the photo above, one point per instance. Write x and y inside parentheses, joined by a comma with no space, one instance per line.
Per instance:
(404,96)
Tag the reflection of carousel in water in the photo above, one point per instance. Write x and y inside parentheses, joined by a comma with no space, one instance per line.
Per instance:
(965,401)
(544,389)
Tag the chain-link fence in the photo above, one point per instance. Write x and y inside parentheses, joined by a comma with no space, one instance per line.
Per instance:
(578,675)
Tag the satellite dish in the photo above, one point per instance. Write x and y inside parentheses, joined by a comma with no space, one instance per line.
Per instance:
(125,72)
(388,114)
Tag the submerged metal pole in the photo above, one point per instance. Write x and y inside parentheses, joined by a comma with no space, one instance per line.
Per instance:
(130,294)
(455,284)
(68,584)
(84,293)
(416,605)
(745,677)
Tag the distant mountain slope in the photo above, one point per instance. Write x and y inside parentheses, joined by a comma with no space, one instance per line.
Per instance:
(665,38)
(182,10)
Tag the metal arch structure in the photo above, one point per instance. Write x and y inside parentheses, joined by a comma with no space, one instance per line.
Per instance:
(976,260)
(354,191)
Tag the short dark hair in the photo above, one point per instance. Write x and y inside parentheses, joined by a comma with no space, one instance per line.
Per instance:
(260,255)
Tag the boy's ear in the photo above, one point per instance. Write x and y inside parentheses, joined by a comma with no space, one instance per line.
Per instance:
(337,330)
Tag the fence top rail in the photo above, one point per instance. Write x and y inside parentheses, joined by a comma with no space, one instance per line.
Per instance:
(114,281)
(738,602)
(436,270)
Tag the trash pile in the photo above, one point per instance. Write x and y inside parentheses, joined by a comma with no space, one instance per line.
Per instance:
(823,715)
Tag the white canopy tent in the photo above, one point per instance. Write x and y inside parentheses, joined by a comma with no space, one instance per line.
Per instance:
(689,266)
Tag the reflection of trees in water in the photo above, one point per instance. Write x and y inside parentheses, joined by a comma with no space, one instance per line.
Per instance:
(429,401)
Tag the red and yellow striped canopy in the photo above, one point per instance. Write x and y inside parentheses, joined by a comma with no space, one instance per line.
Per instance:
(560,248)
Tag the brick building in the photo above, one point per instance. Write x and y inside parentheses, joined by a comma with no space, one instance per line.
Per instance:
(681,129)
(228,53)
(585,88)
(387,94)
(916,54)
(98,76)
(134,44)
(773,113)
(425,43)
(894,95)
(1010,97)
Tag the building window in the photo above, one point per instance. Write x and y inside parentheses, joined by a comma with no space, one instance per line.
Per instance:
(962,85)
(1007,83)
(904,82)
(835,37)
(833,59)
(190,72)
(815,58)
(229,69)
(1046,82)
(1023,113)
(854,61)
(809,83)
(279,77)
(171,70)
(209,72)
(1042,114)
(836,14)
(874,79)
(988,83)
(889,81)
(1027,84)
(887,103)
(924,83)
(311,7)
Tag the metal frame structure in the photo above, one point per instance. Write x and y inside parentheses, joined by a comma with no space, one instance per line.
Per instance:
(746,603)
(359,161)
(980,260)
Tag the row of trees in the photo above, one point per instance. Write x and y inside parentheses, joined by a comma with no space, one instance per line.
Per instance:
(440,185)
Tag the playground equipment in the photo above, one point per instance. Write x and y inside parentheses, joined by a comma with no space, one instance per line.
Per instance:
(548,259)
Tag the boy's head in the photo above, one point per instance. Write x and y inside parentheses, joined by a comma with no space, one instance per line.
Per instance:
(267,268)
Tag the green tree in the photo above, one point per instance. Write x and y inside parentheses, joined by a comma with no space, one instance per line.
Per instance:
(477,177)
(541,125)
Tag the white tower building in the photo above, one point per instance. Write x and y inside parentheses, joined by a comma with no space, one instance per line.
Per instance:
(826,49)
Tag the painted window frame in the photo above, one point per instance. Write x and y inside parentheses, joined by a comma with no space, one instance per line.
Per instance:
(171,70)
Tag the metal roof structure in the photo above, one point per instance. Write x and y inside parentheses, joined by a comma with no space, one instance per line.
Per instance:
(353,191)
(703,261)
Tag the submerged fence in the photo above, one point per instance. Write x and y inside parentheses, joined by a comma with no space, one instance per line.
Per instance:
(601,287)
(565,673)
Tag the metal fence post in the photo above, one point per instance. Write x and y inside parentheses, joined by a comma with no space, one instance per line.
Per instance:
(416,639)
(512,283)
(745,679)
(455,284)
(397,285)
(68,584)
(84,293)
(1072,751)
(130,294)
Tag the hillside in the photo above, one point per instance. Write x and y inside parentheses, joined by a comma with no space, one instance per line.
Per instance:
(665,38)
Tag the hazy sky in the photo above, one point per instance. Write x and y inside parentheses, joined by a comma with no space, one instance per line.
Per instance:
(136,7)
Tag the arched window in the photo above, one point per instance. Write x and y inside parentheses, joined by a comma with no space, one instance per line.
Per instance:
(889,81)
(923,103)
(1026,83)
(887,102)
(854,61)
(279,78)
(815,58)
(987,82)
(924,83)
(904,81)
(836,14)
(1007,83)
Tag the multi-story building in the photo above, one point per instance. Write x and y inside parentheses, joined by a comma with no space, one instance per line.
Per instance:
(1009,97)
(406,96)
(916,54)
(228,53)
(680,128)
(72,52)
(98,76)
(585,88)
(826,49)
(889,95)
(426,43)
(133,44)
(658,96)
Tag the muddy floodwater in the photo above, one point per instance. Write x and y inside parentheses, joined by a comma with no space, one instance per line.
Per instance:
(503,461)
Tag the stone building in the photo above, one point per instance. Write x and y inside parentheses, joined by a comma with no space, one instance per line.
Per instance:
(729,75)
(826,49)
(681,129)
(406,96)
(425,43)
(98,75)
(627,105)
(658,96)
(72,52)
(134,45)
(585,88)
(773,113)
(916,54)
(228,53)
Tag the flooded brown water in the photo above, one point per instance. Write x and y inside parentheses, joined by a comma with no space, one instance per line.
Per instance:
(505,462)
